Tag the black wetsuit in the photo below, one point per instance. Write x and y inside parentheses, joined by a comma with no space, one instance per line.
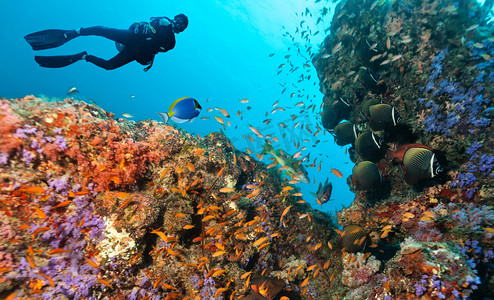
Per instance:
(138,45)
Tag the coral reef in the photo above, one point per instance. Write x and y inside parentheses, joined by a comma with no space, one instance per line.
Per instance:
(97,208)
(93,207)
(433,61)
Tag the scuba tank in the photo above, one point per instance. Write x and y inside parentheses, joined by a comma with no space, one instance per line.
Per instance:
(147,30)
(140,28)
(144,29)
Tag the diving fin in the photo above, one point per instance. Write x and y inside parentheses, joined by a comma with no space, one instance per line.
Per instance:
(58,61)
(50,38)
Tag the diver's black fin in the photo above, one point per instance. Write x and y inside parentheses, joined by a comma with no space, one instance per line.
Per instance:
(50,38)
(58,61)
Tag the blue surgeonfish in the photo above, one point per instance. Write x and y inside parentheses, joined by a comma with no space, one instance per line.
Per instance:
(182,110)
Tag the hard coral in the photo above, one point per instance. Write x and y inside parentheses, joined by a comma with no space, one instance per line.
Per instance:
(129,210)
(11,123)
(359,271)
(443,91)
(431,268)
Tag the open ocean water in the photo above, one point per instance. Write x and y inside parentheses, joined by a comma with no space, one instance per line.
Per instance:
(225,55)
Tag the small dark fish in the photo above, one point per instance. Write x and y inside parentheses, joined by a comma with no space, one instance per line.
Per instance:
(365,106)
(420,164)
(324,192)
(383,116)
(370,80)
(72,90)
(365,176)
(353,239)
(345,133)
(271,55)
(369,145)
(324,11)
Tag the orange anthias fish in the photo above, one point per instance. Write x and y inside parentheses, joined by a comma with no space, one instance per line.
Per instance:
(337,173)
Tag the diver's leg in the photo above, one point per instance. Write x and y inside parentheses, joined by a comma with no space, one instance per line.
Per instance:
(117,61)
(122,36)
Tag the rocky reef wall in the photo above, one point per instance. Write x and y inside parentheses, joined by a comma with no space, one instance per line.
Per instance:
(415,79)
(97,208)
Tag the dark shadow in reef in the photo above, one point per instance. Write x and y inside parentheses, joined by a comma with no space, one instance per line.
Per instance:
(150,239)
(380,193)
(186,237)
(249,207)
(443,176)
(484,291)
(376,156)
(242,179)
(384,252)
(439,179)
(145,179)
(401,134)
(252,262)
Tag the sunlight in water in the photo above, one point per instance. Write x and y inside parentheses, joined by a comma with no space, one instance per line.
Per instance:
(269,17)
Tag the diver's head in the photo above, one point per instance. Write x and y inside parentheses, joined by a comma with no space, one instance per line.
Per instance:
(180,22)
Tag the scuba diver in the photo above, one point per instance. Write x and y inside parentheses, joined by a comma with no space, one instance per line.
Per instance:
(141,42)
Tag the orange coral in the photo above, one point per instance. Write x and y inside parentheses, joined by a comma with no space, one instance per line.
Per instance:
(10,123)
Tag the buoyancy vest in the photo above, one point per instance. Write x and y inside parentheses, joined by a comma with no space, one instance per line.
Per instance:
(161,38)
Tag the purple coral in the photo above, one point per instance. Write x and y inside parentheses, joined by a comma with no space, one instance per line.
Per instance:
(4,158)
(473,218)
(467,104)
(68,269)
(60,185)
(208,289)
(60,141)
(486,163)
(420,289)
(27,156)
(473,148)
(23,132)
(464,180)
(437,67)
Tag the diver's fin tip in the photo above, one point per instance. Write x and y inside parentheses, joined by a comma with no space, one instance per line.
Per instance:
(50,38)
(58,61)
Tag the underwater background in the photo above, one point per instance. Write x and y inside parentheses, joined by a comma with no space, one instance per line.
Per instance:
(221,58)
(389,101)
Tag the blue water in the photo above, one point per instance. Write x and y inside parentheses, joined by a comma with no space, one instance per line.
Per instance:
(222,57)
